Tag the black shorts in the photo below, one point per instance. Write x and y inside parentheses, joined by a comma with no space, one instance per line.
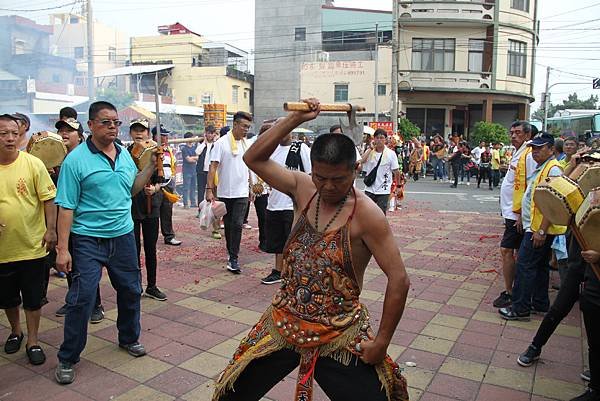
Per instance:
(23,281)
(512,238)
(278,226)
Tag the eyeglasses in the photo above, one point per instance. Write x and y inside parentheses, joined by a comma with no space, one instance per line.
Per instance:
(108,123)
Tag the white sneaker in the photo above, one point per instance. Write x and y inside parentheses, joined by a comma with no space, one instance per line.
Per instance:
(468,183)
(247,226)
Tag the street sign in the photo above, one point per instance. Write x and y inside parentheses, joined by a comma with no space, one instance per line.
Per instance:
(596,83)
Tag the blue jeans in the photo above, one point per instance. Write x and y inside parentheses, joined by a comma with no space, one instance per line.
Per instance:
(438,168)
(532,276)
(189,189)
(89,255)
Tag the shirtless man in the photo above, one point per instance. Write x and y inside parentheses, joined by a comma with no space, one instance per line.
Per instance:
(316,320)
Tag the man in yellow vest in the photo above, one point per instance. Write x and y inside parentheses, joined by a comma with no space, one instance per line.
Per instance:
(530,290)
(520,166)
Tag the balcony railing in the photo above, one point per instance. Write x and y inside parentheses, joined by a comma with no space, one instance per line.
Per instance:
(409,80)
(471,11)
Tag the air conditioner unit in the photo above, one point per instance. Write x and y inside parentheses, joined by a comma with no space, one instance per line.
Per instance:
(192,99)
(323,56)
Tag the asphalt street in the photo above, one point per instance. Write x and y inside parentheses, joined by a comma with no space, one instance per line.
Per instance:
(439,196)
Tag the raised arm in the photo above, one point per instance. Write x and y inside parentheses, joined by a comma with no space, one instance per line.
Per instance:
(257,157)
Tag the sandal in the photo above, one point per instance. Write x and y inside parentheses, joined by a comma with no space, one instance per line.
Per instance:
(13,343)
(36,355)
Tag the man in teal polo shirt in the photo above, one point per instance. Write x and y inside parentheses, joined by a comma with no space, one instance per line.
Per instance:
(95,229)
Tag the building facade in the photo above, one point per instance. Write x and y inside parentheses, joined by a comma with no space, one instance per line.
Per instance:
(203,71)
(464,62)
(459,62)
(69,39)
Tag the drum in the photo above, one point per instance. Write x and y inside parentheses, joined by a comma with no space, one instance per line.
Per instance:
(558,198)
(141,152)
(587,176)
(588,220)
(48,147)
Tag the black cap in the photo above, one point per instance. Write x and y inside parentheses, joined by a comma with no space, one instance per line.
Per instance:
(542,139)
(163,131)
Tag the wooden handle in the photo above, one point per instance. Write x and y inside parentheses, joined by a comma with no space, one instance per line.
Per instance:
(584,246)
(187,140)
(301,106)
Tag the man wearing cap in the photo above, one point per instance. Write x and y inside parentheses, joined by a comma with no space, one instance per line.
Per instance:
(24,124)
(71,132)
(166,207)
(190,159)
(145,210)
(530,290)
(96,185)
(27,233)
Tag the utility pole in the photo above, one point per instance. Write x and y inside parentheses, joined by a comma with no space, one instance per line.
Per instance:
(157,105)
(546,100)
(376,72)
(395,49)
(90,46)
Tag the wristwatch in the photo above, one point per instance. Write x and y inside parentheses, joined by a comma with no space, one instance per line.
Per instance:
(541,232)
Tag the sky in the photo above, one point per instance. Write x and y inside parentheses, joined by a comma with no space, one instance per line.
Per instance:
(568,36)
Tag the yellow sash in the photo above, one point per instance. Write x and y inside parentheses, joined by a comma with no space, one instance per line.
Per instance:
(536,216)
(520,184)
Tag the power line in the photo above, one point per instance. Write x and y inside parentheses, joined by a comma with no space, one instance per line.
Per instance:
(575,10)
(39,9)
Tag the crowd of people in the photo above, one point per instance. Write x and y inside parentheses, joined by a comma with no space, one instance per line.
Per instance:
(104,204)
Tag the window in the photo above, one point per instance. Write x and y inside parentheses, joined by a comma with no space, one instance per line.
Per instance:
(381,89)
(517,58)
(340,93)
(433,54)
(300,35)
(522,5)
(476,54)
(78,52)
(20,46)
(235,94)
(112,54)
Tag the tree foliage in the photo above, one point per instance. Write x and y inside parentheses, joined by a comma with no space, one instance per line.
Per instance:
(119,99)
(490,133)
(407,129)
(572,102)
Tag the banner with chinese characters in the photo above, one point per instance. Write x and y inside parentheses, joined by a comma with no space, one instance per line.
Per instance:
(388,126)
(215,114)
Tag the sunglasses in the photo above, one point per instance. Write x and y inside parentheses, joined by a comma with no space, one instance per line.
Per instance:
(108,123)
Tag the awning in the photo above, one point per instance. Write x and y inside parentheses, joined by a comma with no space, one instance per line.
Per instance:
(135,70)
(7,76)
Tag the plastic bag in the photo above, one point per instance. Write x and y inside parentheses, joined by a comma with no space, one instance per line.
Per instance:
(206,215)
(219,209)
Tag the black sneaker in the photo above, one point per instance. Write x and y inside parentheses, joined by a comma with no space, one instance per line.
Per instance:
(36,355)
(503,300)
(234,267)
(528,357)
(585,375)
(589,395)
(64,373)
(136,349)
(273,278)
(509,314)
(62,311)
(155,293)
(97,315)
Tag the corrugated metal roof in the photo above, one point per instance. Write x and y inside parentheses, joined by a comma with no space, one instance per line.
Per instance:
(134,70)
(7,76)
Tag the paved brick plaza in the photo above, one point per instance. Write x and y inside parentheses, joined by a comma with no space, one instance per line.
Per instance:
(462,349)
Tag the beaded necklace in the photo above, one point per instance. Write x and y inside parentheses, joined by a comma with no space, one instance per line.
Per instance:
(337,212)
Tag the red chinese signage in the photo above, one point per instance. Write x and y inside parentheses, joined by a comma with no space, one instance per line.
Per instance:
(388,126)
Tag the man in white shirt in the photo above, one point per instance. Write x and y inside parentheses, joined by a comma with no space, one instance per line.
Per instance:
(280,207)
(226,159)
(385,161)
(520,134)
(476,152)
(203,151)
